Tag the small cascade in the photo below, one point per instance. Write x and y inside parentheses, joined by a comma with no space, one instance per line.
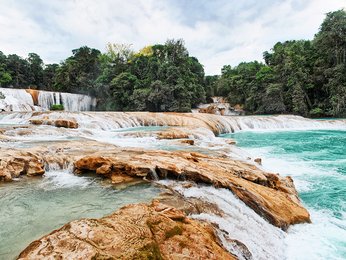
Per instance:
(154,174)
(230,124)
(238,222)
(219,107)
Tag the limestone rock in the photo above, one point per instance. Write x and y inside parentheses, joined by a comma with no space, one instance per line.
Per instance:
(137,231)
(258,160)
(230,142)
(67,123)
(34,94)
(187,141)
(22,164)
(271,196)
(173,133)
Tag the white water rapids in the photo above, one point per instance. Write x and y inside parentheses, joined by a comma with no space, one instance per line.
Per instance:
(224,124)
(239,222)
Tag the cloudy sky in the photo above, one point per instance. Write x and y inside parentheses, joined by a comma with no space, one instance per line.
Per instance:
(217,32)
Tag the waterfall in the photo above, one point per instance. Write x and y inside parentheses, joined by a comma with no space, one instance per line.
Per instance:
(16,100)
(20,100)
(77,102)
(71,102)
(217,124)
(46,99)
(230,124)
(238,221)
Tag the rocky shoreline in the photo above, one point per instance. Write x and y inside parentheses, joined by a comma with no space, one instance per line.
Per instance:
(270,195)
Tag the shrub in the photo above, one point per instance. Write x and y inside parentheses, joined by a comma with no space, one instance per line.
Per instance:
(57,107)
(316,112)
(2,96)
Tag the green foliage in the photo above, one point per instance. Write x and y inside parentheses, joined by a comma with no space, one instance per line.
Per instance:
(301,77)
(57,107)
(317,112)
(158,78)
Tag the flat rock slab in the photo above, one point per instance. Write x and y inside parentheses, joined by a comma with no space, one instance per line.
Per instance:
(137,231)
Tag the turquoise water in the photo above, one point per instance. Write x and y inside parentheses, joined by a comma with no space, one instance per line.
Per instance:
(31,208)
(317,162)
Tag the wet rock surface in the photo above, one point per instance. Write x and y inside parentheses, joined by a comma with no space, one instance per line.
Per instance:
(270,195)
(137,231)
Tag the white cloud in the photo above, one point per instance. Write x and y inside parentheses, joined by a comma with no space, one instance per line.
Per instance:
(216,32)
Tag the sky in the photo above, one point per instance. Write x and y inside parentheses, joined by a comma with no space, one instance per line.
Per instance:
(217,32)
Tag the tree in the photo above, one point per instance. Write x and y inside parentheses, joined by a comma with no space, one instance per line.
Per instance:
(79,72)
(36,69)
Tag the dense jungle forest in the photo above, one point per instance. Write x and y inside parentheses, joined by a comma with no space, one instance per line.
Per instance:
(305,77)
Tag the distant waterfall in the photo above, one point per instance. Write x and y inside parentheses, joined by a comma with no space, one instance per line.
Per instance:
(19,100)
(16,100)
(77,102)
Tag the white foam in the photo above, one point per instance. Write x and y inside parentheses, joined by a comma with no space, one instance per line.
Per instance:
(317,240)
(240,222)
(55,179)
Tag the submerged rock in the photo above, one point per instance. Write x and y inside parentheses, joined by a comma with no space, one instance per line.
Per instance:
(137,231)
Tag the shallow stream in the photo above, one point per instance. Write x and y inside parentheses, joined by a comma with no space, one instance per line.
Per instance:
(33,207)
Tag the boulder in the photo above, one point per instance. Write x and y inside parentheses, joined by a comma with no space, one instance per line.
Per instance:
(187,141)
(258,160)
(21,164)
(67,123)
(137,231)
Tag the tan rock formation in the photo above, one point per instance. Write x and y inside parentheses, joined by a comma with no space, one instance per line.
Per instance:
(258,160)
(173,133)
(34,94)
(270,195)
(21,164)
(137,231)
(187,141)
(67,123)
(230,141)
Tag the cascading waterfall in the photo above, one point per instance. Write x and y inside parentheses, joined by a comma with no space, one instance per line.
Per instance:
(46,99)
(77,102)
(16,100)
(263,240)
(71,102)
(19,100)
(218,124)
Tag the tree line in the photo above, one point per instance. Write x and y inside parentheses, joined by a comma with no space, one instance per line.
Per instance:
(299,76)
(305,77)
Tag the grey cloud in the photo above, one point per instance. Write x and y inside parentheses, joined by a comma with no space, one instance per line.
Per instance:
(217,32)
